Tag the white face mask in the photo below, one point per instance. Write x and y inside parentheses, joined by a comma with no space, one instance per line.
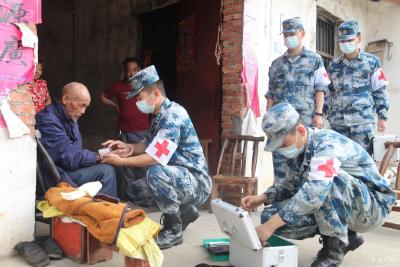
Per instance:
(144,107)
(291,151)
(348,47)
(291,42)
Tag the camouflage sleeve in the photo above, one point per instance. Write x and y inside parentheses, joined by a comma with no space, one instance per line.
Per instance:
(310,197)
(321,77)
(170,127)
(270,92)
(381,102)
(328,96)
(379,90)
(307,200)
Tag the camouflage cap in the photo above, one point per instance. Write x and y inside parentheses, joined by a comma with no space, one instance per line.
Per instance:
(292,24)
(277,122)
(348,30)
(143,78)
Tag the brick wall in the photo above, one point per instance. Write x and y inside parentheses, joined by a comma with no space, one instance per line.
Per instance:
(233,93)
(21,104)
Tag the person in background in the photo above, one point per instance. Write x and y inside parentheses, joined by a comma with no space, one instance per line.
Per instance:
(133,126)
(297,77)
(38,88)
(359,92)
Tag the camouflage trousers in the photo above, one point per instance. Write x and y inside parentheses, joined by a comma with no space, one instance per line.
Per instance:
(350,204)
(173,186)
(361,134)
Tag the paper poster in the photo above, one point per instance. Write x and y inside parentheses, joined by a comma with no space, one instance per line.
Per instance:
(21,11)
(16,61)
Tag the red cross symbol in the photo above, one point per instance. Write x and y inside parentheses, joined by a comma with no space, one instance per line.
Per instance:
(328,168)
(326,75)
(382,76)
(162,149)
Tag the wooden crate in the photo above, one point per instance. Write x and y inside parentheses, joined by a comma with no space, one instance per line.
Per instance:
(78,244)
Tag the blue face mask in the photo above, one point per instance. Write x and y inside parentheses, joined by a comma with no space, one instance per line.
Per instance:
(292,42)
(348,47)
(144,107)
(291,151)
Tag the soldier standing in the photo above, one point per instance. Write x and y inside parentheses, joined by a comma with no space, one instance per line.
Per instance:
(359,90)
(297,77)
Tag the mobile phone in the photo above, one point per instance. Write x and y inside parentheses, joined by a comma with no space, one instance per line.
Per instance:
(218,250)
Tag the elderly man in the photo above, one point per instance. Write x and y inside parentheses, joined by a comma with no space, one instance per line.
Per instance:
(359,92)
(340,189)
(178,175)
(58,125)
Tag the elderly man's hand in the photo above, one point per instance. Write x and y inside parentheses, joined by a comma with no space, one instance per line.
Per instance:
(112,159)
(119,148)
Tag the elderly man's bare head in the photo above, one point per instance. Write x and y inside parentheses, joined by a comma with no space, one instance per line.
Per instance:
(75,97)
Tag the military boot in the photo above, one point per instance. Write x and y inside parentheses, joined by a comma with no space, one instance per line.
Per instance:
(331,254)
(355,241)
(171,234)
(189,214)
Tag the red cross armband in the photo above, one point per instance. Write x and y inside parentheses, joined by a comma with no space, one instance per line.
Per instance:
(161,149)
(378,80)
(324,168)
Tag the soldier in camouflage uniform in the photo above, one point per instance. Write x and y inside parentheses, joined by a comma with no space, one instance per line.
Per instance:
(178,174)
(340,189)
(298,77)
(359,90)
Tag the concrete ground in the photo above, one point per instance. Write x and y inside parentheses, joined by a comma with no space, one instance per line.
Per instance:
(380,250)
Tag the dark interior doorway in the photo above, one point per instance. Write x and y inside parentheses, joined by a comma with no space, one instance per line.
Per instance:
(159,34)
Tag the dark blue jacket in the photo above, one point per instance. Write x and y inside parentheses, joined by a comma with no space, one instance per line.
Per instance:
(61,138)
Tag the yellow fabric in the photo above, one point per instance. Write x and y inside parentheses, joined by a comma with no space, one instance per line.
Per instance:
(48,210)
(136,241)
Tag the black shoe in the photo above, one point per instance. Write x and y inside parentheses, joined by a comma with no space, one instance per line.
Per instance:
(355,241)
(331,254)
(171,234)
(50,247)
(33,254)
(189,214)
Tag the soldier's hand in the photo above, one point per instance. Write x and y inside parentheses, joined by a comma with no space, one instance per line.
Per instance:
(318,121)
(381,126)
(120,148)
(112,159)
(263,233)
(250,202)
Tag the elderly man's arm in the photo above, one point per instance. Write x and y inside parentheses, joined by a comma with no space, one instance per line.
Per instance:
(66,153)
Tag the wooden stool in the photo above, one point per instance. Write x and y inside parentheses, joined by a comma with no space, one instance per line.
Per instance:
(391,149)
(235,173)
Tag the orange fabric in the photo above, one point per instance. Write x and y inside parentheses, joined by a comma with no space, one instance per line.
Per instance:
(101,218)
